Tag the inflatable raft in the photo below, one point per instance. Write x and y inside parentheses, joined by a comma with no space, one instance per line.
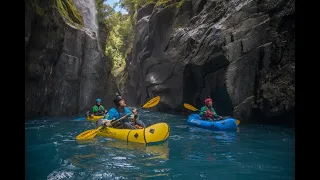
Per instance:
(93,118)
(154,133)
(228,124)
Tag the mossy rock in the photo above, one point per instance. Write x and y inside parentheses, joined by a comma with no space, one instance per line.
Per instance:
(170,3)
(66,9)
(69,12)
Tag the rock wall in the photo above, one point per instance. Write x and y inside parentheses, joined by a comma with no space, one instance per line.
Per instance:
(66,69)
(239,52)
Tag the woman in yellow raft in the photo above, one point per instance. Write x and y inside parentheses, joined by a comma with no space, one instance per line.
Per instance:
(132,122)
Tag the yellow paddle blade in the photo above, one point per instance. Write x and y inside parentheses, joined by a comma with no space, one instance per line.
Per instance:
(89,134)
(152,102)
(237,122)
(190,107)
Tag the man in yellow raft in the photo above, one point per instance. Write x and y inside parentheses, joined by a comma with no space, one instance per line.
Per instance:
(131,122)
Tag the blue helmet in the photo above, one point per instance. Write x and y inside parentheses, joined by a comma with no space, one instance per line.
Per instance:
(98,100)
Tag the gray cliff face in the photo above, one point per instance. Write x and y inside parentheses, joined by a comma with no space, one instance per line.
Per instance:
(66,70)
(239,52)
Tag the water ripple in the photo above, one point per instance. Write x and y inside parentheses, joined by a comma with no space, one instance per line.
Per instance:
(255,152)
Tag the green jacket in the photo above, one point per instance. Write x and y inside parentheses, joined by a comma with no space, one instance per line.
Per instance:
(98,110)
(203,113)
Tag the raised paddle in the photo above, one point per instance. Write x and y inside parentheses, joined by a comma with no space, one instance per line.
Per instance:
(89,134)
(190,107)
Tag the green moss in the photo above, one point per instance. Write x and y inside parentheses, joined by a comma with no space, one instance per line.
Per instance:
(66,9)
(69,12)
(170,3)
(179,4)
(163,3)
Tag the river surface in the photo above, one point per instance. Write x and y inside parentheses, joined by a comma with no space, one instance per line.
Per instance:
(254,152)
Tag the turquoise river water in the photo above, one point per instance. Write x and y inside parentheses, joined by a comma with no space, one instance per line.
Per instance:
(253,152)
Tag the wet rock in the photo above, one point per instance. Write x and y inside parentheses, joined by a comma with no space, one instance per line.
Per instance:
(240,52)
(66,70)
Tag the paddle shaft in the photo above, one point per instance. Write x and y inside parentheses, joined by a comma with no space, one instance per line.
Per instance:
(124,116)
(92,133)
(219,118)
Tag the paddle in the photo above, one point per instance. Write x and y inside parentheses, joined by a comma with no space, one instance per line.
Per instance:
(89,134)
(190,107)
(93,132)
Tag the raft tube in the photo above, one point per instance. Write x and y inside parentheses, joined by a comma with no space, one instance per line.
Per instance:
(152,134)
(94,118)
(228,124)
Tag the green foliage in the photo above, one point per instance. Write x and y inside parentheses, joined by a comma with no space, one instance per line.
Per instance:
(163,3)
(119,40)
(104,11)
(69,12)
(167,3)
(121,28)
(66,8)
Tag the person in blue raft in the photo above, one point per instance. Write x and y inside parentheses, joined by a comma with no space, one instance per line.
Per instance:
(131,122)
(207,112)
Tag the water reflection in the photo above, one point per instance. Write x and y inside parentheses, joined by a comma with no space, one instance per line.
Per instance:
(119,155)
(156,151)
(225,136)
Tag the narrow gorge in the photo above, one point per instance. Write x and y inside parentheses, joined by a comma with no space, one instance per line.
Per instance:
(239,52)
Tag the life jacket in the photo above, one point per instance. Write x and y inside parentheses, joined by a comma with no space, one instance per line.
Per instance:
(209,113)
(100,109)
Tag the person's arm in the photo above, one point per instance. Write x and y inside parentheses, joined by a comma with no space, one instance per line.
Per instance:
(104,110)
(215,114)
(202,111)
(131,115)
(134,114)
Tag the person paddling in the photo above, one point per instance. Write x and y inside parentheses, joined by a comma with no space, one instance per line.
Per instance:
(207,111)
(97,110)
(131,122)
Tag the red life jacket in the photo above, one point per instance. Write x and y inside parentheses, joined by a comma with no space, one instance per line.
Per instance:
(209,113)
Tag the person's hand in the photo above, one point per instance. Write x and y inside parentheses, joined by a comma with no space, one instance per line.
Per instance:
(105,111)
(108,123)
(220,117)
(134,111)
(138,127)
(91,115)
